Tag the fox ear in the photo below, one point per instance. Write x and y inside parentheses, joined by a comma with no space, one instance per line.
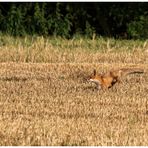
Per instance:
(94,72)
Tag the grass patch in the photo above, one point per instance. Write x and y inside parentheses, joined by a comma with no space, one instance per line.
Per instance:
(40,49)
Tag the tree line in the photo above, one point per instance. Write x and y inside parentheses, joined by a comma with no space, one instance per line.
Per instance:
(67,19)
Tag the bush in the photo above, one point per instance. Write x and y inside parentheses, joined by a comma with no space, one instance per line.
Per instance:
(71,19)
(138,28)
(14,22)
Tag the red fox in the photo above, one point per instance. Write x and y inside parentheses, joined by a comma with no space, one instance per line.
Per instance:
(105,81)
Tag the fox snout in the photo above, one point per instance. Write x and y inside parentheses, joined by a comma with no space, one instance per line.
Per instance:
(94,80)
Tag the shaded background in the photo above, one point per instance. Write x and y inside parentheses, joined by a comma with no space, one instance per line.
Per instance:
(89,19)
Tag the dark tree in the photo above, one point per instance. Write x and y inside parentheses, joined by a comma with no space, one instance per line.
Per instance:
(111,19)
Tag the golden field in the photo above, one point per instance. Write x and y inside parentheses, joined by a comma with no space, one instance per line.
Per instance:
(46,100)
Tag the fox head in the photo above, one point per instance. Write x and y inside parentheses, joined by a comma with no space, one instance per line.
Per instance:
(95,78)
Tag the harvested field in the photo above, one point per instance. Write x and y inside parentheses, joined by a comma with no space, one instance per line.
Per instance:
(53,104)
(46,100)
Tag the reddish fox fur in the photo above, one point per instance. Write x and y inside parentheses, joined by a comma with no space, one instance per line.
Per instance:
(105,81)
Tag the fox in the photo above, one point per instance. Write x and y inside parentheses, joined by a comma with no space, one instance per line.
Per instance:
(106,81)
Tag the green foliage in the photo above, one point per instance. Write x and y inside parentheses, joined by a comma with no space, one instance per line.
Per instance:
(39,20)
(75,19)
(89,30)
(60,24)
(139,28)
(14,21)
(1,19)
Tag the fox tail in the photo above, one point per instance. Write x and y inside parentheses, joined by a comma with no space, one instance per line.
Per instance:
(127,71)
